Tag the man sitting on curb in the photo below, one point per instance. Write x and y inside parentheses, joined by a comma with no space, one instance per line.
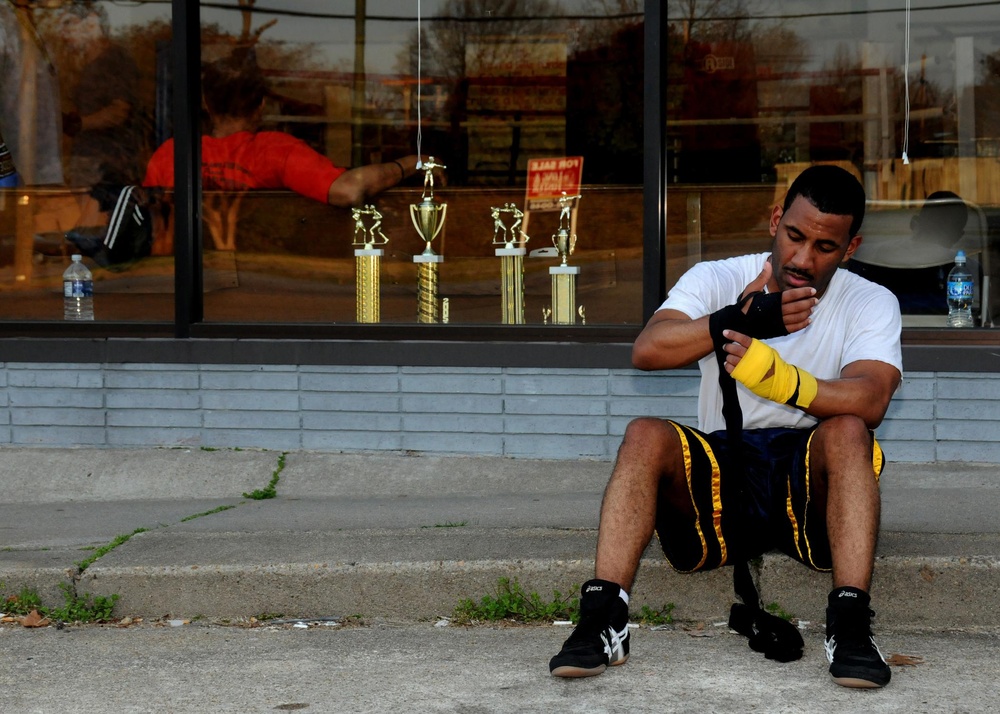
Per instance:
(802,473)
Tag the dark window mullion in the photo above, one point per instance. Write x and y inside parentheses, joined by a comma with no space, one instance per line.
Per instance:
(654,170)
(188,279)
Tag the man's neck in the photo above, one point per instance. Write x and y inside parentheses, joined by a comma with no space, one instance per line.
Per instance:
(227,126)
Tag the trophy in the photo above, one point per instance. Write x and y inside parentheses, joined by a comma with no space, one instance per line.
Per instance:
(511,262)
(428,218)
(367,261)
(563,275)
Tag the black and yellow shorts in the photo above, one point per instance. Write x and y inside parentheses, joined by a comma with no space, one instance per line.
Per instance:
(776,512)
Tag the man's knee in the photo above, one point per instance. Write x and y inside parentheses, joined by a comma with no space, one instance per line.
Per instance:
(649,431)
(843,432)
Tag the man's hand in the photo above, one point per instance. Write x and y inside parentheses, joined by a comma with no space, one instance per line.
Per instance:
(796,304)
(762,370)
(736,349)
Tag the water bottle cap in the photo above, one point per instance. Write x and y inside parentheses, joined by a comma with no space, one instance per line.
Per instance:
(76,257)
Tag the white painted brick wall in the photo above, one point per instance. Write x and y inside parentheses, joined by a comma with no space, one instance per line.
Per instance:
(536,413)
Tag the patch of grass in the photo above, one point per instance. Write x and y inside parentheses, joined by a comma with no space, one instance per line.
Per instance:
(220,509)
(271,491)
(512,603)
(74,609)
(651,617)
(83,609)
(105,549)
(208,448)
(22,603)
(776,609)
(265,616)
(448,524)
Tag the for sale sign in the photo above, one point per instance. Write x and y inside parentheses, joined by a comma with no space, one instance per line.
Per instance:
(548,179)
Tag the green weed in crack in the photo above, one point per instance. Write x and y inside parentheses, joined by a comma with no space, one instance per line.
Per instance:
(104,550)
(271,491)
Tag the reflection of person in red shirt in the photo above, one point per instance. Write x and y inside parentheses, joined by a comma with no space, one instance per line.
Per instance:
(236,157)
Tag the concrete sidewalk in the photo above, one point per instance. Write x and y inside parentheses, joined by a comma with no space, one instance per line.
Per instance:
(405,538)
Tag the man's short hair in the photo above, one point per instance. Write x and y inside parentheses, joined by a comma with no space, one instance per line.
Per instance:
(832,190)
(234,85)
(82,9)
(943,214)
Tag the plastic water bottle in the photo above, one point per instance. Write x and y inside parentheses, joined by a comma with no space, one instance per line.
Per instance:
(960,290)
(78,291)
(8,173)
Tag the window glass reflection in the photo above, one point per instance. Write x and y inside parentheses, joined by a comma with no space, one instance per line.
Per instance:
(484,91)
(79,100)
(759,90)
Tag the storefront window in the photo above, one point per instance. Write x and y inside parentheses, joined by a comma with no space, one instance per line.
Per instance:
(80,95)
(757,91)
(491,93)
(521,105)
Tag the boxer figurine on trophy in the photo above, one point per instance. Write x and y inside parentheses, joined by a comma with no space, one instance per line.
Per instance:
(512,262)
(428,218)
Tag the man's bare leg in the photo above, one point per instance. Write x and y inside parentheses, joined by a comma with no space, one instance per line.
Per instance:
(841,455)
(649,451)
(648,457)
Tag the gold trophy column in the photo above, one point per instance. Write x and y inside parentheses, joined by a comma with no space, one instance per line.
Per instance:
(367,264)
(564,294)
(427,287)
(512,284)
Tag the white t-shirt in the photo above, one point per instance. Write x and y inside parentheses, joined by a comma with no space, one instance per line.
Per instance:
(855,319)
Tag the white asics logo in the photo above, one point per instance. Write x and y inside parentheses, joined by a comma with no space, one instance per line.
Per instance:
(847,594)
(594,588)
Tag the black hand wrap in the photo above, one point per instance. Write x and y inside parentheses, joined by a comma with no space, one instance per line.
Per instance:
(762,320)
(777,639)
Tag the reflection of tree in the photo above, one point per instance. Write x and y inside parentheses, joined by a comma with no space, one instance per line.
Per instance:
(486,38)
(446,44)
(710,20)
(604,90)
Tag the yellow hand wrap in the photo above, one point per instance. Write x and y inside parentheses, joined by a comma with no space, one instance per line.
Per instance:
(788,385)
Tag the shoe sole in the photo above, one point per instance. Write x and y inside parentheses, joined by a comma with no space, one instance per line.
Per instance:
(856,683)
(572,672)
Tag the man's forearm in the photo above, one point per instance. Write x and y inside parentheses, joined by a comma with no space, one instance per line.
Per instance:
(864,396)
(669,343)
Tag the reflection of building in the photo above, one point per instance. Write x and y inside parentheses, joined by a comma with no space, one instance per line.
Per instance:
(720,83)
(515,104)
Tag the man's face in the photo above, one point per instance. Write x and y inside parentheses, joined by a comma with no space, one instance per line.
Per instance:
(809,246)
(81,33)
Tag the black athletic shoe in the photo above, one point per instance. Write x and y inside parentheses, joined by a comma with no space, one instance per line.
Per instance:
(601,637)
(855,659)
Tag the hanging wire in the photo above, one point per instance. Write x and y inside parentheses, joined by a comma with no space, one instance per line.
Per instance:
(420,161)
(906,82)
